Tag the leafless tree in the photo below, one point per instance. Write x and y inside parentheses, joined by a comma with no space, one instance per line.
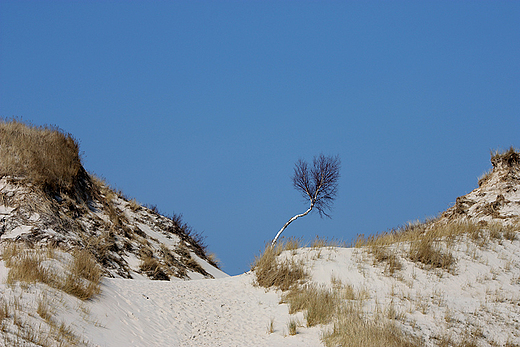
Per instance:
(318,184)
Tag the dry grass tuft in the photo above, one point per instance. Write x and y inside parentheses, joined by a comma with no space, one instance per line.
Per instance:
(319,242)
(292,326)
(292,243)
(4,310)
(270,326)
(270,271)
(27,267)
(85,266)
(509,157)
(81,277)
(152,268)
(352,329)
(213,260)
(510,234)
(134,205)
(102,246)
(430,254)
(383,254)
(9,251)
(46,156)
(319,303)
(44,308)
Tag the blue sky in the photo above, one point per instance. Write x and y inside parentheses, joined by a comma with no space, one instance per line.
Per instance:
(202,108)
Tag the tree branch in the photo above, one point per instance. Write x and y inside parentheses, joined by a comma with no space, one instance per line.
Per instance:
(319,185)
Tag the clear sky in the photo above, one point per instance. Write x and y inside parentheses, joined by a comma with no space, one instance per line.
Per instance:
(203,107)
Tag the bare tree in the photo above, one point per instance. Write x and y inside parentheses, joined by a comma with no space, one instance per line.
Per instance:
(318,184)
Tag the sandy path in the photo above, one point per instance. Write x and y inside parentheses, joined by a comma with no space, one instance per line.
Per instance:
(223,312)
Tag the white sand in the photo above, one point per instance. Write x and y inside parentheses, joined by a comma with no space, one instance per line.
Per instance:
(482,293)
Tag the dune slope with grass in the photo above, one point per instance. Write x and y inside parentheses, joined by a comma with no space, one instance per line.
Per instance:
(84,266)
(62,230)
(47,199)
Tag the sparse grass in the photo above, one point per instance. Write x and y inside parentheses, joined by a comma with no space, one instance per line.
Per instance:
(510,234)
(19,324)
(44,309)
(484,177)
(319,303)
(509,157)
(134,205)
(81,277)
(27,267)
(383,254)
(173,266)
(430,254)
(270,271)
(270,326)
(467,338)
(393,313)
(292,243)
(340,305)
(352,329)
(44,155)
(185,253)
(418,231)
(152,268)
(292,326)
(426,242)
(319,242)
(191,238)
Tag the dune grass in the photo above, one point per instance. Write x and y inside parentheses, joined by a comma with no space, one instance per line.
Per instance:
(338,305)
(271,271)
(341,308)
(80,277)
(44,155)
(429,242)
(292,326)
(153,268)
(352,329)
(319,303)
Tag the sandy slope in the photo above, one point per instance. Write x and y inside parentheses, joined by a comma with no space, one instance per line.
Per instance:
(222,312)
(480,297)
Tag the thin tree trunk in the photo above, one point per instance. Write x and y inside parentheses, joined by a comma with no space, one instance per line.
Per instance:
(289,222)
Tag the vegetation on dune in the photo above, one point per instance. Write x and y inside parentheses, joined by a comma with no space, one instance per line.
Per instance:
(340,307)
(321,305)
(45,155)
(92,231)
(509,158)
(81,276)
(49,160)
(271,271)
